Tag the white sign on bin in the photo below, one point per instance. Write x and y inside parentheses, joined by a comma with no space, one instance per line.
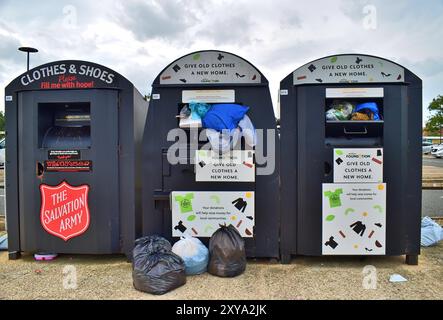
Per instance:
(354,219)
(233,166)
(364,165)
(199,213)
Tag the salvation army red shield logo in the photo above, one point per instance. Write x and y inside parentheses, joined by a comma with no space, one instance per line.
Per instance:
(64,211)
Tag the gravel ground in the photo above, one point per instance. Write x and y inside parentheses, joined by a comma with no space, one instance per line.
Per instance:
(109,277)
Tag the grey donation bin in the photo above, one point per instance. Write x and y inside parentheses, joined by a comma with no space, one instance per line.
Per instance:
(351,169)
(194,196)
(73,133)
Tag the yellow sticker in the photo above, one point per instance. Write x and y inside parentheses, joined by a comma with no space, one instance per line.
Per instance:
(381,187)
(248,194)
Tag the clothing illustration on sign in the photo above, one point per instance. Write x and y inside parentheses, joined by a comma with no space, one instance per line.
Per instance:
(331,242)
(378,244)
(183,80)
(176,68)
(385,75)
(334,198)
(240,204)
(202,164)
(239,75)
(180,227)
(185,202)
(358,60)
(358,227)
(339,161)
(378,225)
(319,80)
(220,57)
(311,68)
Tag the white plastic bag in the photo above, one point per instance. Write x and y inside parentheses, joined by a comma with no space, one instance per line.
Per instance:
(194,253)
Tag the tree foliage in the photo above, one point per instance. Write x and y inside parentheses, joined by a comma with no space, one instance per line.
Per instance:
(435,121)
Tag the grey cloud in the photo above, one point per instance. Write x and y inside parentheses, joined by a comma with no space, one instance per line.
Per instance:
(157,19)
(229,29)
(8,49)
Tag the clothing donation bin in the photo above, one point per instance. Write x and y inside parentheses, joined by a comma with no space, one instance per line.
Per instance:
(73,131)
(196,177)
(351,169)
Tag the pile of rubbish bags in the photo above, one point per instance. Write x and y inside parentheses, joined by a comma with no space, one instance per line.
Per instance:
(341,110)
(225,123)
(159,267)
(431,232)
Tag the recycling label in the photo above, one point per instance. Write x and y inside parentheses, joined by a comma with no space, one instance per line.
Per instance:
(201,213)
(354,219)
(233,166)
(364,165)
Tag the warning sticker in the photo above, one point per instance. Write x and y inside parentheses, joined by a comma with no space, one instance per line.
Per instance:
(68,165)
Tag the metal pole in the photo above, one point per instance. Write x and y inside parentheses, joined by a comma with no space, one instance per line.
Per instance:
(27,61)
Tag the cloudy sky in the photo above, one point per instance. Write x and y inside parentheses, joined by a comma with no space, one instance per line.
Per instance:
(138,38)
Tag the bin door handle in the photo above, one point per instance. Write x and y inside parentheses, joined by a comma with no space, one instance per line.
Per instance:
(355,132)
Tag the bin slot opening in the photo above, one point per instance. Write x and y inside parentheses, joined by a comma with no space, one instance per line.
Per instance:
(64,125)
(354,117)
(197,123)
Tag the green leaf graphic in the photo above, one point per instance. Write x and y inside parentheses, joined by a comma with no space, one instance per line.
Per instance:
(330,217)
(196,56)
(333,59)
(191,217)
(338,152)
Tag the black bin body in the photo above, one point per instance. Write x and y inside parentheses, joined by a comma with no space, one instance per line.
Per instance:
(308,142)
(160,178)
(81,124)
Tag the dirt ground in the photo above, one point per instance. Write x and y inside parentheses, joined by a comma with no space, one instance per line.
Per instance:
(109,277)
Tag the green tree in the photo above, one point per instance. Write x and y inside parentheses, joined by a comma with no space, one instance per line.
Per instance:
(2,121)
(435,121)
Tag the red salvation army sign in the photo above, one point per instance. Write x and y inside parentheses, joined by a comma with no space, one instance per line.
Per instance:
(64,211)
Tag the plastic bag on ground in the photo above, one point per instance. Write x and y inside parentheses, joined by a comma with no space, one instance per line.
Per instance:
(155,268)
(194,253)
(431,232)
(227,252)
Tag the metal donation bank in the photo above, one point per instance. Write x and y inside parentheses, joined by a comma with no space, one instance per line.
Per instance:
(210,152)
(351,169)
(73,133)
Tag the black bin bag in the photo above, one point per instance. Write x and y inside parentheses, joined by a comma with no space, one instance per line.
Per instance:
(227,252)
(155,268)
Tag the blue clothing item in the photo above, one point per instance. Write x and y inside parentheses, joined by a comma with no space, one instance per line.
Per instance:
(371,106)
(224,116)
(198,110)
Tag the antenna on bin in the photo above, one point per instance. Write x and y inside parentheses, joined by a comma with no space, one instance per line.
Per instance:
(28,50)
